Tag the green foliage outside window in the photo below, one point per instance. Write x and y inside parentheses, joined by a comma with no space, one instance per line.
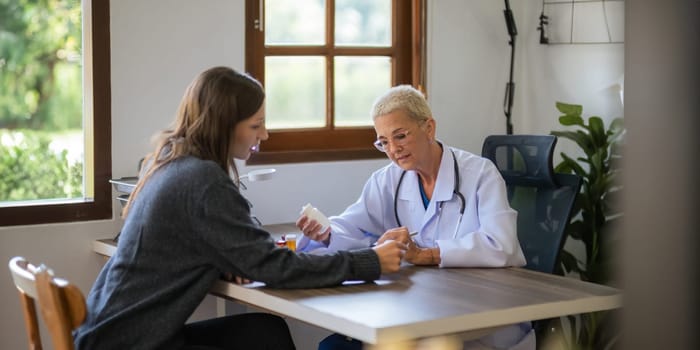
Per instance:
(41,99)
(32,170)
(40,49)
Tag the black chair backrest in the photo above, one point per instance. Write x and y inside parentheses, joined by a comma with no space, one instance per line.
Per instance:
(543,199)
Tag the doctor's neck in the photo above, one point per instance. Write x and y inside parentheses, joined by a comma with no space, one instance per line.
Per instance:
(429,171)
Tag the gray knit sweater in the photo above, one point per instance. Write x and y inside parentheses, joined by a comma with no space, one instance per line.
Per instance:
(188,225)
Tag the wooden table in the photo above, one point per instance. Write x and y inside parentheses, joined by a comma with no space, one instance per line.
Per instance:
(423,302)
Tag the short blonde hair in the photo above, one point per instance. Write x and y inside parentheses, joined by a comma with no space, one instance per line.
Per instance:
(402,97)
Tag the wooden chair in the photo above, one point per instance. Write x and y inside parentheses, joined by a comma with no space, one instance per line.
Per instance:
(61,304)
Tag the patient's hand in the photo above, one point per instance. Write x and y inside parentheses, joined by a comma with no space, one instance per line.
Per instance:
(241,280)
(227,276)
(390,254)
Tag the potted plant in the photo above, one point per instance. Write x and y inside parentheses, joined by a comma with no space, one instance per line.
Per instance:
(596,206)
(596,210)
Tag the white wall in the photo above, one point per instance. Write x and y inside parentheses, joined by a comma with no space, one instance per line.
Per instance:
(159,45)
(469,60)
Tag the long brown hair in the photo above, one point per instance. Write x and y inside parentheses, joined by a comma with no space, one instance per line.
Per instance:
(214,102)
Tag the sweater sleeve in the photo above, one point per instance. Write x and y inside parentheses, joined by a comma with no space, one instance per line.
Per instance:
(226,233)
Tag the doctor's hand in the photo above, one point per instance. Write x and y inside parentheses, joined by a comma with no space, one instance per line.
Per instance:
(312,229)
(396,234)
(414,254)
(421,256)
(390,254)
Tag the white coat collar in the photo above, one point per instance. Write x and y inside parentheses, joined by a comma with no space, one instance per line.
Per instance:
(445,182)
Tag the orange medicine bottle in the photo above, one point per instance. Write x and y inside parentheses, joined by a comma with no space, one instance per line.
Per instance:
(291,240)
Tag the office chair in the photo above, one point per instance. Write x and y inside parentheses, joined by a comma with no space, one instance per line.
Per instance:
(543,199)
(61,304)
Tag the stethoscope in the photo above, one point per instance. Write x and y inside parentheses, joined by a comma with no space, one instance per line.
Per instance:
(454,191)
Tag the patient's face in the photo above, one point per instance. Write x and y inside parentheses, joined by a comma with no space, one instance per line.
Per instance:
(247,135)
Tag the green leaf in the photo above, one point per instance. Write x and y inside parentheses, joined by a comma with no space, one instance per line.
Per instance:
(597,130)
(596,163)
(581,138)
(564,168)
(568,120)
(569,109)
(578,170)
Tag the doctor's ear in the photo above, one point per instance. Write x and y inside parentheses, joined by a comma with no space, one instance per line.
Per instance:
(430,126)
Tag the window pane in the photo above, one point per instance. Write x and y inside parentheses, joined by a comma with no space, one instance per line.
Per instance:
(298,22)
(363,22)
(41,104)
(295,87)
(358,82)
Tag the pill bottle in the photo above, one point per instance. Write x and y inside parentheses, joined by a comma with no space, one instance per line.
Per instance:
(313,213)
(291,240)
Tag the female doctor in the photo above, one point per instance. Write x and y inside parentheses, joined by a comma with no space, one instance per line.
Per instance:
(448,205)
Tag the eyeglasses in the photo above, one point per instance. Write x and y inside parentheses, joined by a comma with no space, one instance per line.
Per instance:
(398,139)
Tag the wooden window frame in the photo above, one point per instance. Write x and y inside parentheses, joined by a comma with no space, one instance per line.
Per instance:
(336,143)
(100,206)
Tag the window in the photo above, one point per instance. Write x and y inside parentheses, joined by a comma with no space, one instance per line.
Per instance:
(55,83)
(323,62)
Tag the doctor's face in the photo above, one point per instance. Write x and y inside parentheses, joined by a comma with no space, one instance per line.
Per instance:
(405,140)
(247,135)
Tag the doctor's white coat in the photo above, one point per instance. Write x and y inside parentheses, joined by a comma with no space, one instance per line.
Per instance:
(485,237)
